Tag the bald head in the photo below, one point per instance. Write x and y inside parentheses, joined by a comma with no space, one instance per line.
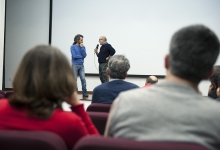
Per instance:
(102,40)
(151,80)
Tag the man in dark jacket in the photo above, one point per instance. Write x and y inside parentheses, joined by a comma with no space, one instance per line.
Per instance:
(106,51)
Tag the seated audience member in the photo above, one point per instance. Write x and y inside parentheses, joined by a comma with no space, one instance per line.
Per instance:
(214,82)
(118,67)
(150,81)
(174,109)
(42,82)
(218,89)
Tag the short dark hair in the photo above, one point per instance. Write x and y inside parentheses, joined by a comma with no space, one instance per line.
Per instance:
(77,38)
(193,52)
(214,78)
(151,81)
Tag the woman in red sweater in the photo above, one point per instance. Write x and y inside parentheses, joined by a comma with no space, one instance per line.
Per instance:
(43,81)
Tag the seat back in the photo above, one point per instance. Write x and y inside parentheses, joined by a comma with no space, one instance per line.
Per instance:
(99,119)
(108,143)
(30,140)
(8,94)
(2,94)
(97,107)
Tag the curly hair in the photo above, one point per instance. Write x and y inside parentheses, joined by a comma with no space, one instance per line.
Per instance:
(77,38)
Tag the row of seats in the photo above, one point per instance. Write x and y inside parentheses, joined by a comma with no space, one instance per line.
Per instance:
(99,115)
(37,140)
(5,94)
(98,107)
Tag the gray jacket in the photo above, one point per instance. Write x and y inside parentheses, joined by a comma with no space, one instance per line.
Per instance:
(167,111)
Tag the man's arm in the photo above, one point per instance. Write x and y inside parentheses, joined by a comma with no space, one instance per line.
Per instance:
(83,50)
(74,54)
(111,50)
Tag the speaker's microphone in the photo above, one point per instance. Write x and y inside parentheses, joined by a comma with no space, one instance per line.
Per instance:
(97,46)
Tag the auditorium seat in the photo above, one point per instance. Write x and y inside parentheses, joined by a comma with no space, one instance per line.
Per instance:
(98,107)
(30,140)
(2,94)
(108,143)
(8,94)
(99,119)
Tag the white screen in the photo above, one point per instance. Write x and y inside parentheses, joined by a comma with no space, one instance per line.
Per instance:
(139,29)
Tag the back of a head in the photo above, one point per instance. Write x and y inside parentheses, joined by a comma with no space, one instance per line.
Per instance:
(118,66)
(43,79)
(193,52)
(152,80)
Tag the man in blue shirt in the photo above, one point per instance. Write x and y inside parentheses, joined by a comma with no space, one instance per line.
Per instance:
(78,52)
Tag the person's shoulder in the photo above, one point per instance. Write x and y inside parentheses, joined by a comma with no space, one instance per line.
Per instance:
(135,93)
(68,121)
(210,107)
(217,99)
(211,102)
(140,95)
(132,84)
(74,46)
(65,116)
(4,102)
(108,45)
(132,98)
(101,86)
(129,84)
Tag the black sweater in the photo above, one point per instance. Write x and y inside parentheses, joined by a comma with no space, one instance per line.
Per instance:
(212,94)
(105,51)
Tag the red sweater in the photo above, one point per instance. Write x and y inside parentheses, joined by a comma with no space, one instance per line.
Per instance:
(147,85)
(71,126)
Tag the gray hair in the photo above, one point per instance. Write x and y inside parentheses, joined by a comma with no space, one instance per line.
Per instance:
(118,66)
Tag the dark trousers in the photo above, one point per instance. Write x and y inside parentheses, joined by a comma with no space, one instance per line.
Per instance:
(102,72)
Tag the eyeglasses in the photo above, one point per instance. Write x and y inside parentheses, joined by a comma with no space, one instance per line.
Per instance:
(100,39)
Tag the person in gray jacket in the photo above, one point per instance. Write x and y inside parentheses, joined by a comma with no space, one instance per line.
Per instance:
(174,109)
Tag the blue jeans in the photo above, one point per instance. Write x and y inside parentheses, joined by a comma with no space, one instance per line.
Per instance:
(79,70)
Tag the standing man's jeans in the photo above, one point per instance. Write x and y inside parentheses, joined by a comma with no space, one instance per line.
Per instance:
(102,72)
(79,70)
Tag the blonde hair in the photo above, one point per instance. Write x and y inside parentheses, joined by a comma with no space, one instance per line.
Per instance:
(43,79)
